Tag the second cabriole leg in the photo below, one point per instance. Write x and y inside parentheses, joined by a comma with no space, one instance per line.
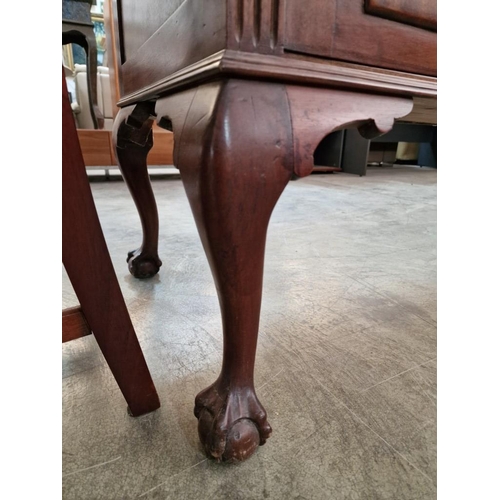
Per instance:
(132,140)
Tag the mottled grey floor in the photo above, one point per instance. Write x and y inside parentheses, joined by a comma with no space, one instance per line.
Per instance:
(346,364)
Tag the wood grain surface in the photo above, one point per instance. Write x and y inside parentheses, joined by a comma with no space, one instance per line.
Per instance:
(181,33)
(340,29)
(189,42)
(422,14)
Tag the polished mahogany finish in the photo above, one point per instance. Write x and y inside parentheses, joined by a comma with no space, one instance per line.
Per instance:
(342,30)
(190,39)
(249,89)
(90,270)
(422,14)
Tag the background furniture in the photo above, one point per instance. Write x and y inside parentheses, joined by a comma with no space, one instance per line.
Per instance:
(349,150)
(81,107)
(98,151)
(249,89)
(356,147)
(88,264)
(77,28)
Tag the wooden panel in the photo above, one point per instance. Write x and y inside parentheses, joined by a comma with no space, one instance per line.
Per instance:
(421,13)
(139,21)
(163,147)
(340,29)
(194,30)
(95,147)
(310,30)
(74,324)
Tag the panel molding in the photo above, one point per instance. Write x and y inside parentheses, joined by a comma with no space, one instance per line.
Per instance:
(290,69)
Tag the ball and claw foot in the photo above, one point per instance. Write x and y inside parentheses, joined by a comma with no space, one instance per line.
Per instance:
(231,423)
(141,265)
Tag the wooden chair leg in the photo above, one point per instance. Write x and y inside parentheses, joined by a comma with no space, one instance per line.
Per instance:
(89,267)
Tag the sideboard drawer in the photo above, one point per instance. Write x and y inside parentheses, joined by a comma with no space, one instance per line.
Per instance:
(393,34)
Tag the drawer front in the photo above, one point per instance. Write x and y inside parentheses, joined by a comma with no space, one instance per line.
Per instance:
(393,34)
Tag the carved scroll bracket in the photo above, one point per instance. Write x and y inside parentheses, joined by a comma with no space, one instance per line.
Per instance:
(317,112)
(314,113)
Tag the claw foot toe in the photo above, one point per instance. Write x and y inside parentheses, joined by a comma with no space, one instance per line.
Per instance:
(141,265)
(231,424)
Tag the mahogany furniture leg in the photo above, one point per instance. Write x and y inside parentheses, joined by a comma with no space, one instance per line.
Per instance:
(235,158)
(132,140)
(236,151)
(89,267)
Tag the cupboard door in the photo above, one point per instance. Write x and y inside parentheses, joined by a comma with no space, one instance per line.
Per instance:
(344,30)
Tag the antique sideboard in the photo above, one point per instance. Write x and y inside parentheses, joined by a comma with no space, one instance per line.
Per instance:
(249,89)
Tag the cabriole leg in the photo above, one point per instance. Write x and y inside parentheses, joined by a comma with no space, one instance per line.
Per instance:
(132,140)
(236,152)
(235,157)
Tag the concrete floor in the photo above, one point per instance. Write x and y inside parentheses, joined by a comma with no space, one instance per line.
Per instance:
(346,363)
